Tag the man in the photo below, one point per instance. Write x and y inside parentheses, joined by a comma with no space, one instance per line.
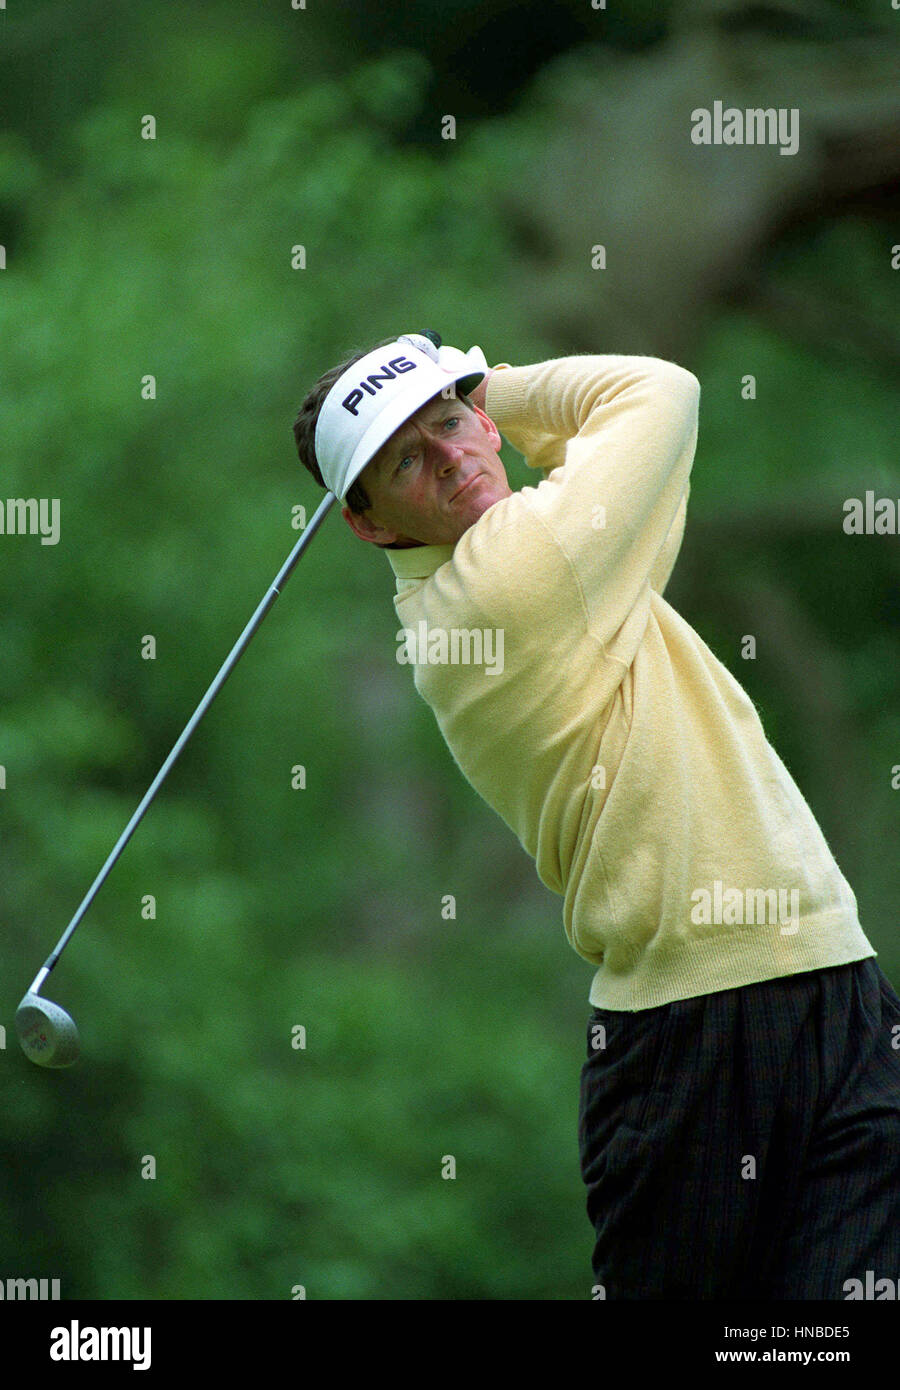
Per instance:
(740,1101)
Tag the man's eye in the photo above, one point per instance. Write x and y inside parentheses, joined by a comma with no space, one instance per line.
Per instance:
(452,420)
(407,459)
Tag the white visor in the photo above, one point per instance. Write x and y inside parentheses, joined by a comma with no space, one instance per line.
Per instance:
(378,393)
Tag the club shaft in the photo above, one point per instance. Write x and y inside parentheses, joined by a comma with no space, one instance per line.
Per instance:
(225,671)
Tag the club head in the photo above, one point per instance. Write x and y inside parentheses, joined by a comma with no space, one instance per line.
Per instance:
(47,1033)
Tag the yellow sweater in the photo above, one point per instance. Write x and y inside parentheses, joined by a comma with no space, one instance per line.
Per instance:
(628,761)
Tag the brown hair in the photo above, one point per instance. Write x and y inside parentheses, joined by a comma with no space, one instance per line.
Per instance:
(357,499)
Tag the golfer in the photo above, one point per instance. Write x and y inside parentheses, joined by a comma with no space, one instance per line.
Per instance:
(739,1121)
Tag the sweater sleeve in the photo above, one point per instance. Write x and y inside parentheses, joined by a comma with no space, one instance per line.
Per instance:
(665,561)
(614,437)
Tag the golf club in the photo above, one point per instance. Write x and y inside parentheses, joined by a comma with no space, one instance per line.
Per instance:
(47,1033)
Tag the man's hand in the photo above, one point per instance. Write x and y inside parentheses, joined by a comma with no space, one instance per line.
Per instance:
(477,396)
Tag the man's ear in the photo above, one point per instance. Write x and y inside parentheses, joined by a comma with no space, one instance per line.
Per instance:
(488,426)
(368,530)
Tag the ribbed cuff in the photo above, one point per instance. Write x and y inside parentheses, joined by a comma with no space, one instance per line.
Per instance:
(505,396)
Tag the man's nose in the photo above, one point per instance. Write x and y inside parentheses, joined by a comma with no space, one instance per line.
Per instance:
(447,454)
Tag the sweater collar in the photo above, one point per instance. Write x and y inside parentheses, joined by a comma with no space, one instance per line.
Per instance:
(418,561)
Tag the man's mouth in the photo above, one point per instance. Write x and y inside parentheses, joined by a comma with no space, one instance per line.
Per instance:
(466,484)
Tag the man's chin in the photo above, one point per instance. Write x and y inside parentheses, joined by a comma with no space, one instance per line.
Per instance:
(467,510)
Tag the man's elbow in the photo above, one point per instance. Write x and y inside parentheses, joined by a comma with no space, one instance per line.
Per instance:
(691,382)
(680,379)
(680,397)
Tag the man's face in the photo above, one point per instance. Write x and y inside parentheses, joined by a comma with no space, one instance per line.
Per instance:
(433,478)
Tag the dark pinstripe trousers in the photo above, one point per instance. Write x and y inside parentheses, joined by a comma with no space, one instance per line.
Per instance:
(746,1144)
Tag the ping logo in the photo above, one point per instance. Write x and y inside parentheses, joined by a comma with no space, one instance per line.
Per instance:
(387,372)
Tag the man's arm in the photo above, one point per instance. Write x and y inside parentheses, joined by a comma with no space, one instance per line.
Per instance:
(615,438)
(665,563)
